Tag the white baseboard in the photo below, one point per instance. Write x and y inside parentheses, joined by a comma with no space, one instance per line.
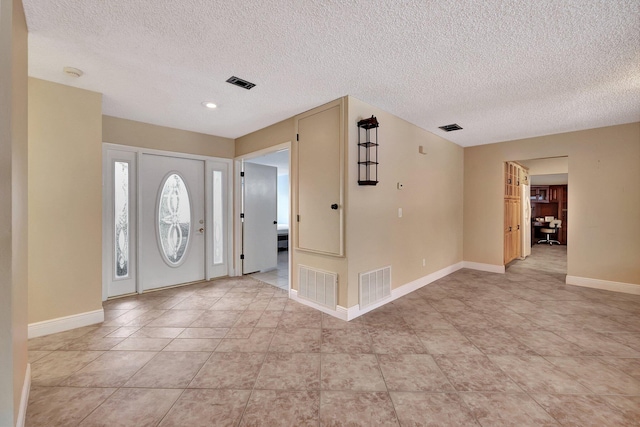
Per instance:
(24,397)
(491,268)
(355,311)
(607,285)
(66,323)
(339,312)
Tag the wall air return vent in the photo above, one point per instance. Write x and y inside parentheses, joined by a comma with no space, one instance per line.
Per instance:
(450,128)
(239,82)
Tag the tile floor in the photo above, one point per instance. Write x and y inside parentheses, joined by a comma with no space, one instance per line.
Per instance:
(471,349)
(278,277)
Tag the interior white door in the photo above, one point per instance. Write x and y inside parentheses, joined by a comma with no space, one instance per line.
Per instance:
(260,209)
(172,221)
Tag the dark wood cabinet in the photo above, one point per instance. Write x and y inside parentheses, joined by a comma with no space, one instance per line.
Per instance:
(539,194)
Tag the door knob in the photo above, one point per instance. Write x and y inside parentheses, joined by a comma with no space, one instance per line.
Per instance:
(201,230)
(275,222)
(334,206)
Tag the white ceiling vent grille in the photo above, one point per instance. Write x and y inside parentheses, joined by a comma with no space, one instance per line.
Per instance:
(451,127)
(375,286)
(318,286)
(237,81)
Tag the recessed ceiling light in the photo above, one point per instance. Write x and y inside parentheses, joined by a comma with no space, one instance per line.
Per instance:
(209,104)
(73,72)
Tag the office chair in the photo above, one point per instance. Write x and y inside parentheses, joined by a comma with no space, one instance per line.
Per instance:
(554,225)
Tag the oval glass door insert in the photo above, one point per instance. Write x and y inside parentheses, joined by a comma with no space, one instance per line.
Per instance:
(174,219)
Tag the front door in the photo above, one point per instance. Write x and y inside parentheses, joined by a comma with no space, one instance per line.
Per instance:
(172,221)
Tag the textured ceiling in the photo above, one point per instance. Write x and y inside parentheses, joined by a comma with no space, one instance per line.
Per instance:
(501,69)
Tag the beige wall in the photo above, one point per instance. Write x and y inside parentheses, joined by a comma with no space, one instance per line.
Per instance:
(13,209)
(431,227)
(138,134)
(65,200)
(268,137)
(556,165)
(604,201)
(431,201)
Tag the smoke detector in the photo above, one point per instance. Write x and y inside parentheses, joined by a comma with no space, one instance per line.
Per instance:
(73,72)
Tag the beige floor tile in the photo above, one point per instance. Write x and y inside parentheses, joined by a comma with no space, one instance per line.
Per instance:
(111,369)
(353,340)
(177,318)
(216,319)
(446,341)
(169,370)
(229,371)
(413,372)
(598,376)
(282,408)
(204,333)
(58,365)
(91,343)
(142,344)
(192,344)
(345,408)
(582,410)
(630,366)
(35,355)
(298,319)
(63,406)
(536,374)
(296,340)
(248,319)
(207,408)
(257,342)
(133,407)
(475,373)
(290,371)
(501,409)
(385,341)
(157,332)
(431,409)
(359,372)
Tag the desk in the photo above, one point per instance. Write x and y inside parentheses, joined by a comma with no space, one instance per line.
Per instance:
(535,226)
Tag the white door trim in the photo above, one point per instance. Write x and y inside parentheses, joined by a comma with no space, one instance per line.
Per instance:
(237,196)
(209,161)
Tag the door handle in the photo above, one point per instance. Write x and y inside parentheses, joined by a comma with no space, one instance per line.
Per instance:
(275,222)
(334,206)
(201,230)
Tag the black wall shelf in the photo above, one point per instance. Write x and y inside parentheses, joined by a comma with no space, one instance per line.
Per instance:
(368,151)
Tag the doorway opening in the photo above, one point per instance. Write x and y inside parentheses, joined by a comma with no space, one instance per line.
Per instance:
(545,215)
(266,207)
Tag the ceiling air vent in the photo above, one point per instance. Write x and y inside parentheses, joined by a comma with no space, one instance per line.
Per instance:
(450,128)
(239,82)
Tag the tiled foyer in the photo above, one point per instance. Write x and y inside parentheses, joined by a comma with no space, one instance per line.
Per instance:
(471,349)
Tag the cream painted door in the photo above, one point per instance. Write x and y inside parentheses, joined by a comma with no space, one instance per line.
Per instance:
(320,180)
(259,226)
(172,216)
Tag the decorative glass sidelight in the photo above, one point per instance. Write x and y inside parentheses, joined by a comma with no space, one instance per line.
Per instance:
(121,218)
(218,242)
(174,218)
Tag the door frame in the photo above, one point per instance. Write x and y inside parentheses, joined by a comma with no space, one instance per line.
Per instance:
(134,254)
(237,224)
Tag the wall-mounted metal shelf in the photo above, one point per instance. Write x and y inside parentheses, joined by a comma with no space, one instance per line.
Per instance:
(368,151)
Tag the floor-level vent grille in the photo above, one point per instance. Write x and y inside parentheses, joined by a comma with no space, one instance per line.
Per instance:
(375,286)
(318,286)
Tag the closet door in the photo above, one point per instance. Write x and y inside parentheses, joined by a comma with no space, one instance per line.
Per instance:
(320,180)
